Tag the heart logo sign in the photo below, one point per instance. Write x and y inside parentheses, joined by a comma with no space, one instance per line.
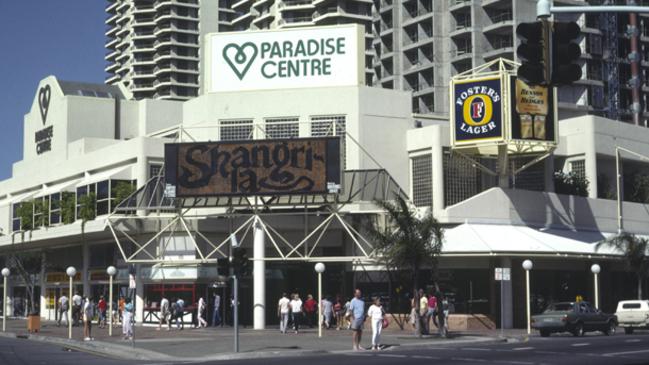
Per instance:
(240,58)
(44,101)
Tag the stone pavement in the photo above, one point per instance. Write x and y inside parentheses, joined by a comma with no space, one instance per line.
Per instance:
(217,343)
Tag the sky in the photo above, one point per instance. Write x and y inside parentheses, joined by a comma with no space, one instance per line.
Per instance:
(38,38)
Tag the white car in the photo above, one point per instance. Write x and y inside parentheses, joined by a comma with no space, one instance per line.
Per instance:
(632,314)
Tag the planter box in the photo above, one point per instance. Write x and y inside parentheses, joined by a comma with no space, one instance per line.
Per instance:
(34,323)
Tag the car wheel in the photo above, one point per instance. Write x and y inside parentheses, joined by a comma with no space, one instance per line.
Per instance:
(628,330)
(545,333)
(578,331)
(610,331)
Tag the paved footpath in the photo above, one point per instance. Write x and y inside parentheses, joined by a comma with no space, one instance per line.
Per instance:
(217,343)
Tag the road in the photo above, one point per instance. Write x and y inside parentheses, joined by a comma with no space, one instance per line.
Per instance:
(591,349)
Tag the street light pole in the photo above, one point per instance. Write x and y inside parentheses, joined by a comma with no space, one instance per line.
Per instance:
(111,270)
(527,265)
(5,274)
(319,268)
(595,269)
(71,271)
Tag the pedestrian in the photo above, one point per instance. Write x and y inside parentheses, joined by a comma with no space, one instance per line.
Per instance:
(310,306)
(76,309)
(180,314)
(347,314)
(327,312)
(164,313)
(339,311)
(376,314)
(88,313)
(63,310)
(432,307)
(296,312)
(356,313)
(201,312)
(216,316)
(422,312)
(101,306)
(120,307)
(413,311)
(127,317)
(283,312)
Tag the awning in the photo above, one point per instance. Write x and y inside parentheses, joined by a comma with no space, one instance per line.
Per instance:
(57,188)
(489,239)
(18,198)
(121,172)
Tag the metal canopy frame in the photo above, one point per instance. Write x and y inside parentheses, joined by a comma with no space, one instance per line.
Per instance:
(151,206)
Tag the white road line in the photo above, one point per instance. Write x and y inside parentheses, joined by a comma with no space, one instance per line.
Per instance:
(633,340)
(522,348)
(425,357)
(474,349)
(580,344)
(391,355)
(468,359)
(624,353)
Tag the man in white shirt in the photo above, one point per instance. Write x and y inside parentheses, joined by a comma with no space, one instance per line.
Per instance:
(296,311)
(282,312)
(327,311)
(63,310)
(164,313)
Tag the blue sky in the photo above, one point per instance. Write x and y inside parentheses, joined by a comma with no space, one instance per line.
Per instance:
(38,38)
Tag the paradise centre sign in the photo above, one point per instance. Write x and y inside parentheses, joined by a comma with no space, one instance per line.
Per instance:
(262,167)
(292,58)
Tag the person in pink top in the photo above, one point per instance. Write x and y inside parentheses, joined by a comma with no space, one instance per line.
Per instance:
(432,310)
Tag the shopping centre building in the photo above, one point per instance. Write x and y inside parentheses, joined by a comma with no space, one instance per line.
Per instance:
(83,138)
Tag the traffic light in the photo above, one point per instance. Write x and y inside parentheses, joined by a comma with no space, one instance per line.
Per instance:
(532,52)
(223,267)
(240,261)
(565,53)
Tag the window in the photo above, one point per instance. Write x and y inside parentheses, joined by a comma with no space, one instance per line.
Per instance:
(282,128)
(15,220)
(578,168)
(461,179)
(55,208)
(331,125)
(81,192)
(154,170)
(233,130)
(422,180)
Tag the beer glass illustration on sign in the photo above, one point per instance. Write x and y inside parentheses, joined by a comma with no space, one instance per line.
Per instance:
(532,107)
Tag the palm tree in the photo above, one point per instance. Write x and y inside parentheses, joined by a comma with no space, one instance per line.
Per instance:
(635,251)
(407,242)
(87,212)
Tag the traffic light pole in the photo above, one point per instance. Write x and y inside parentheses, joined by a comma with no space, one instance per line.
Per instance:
(235,314)
(544,9)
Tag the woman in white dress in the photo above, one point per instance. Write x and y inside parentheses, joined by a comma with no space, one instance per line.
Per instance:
(375,313)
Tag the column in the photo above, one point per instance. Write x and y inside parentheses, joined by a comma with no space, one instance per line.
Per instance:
(591,159)
(85,274)
(259,277)
(438,171)
(139,296)
(508,300)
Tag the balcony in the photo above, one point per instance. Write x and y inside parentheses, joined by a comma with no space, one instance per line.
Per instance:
(501,24)
(455,5)
(295,22)
(286,5)
(264,17)
(335,12)
(462,28)
(461,54)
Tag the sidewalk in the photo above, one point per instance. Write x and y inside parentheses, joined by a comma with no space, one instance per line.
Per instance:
(218,343)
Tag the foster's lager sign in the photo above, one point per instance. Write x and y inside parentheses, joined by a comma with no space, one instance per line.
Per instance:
(478,112)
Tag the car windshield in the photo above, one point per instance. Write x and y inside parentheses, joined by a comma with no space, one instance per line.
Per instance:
(560,307)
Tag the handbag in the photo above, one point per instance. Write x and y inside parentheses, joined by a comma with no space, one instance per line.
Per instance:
(385,323)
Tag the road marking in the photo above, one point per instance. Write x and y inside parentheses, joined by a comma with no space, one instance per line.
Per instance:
(474,349)
(522,348)
(580,344)
(425,357)
(468,359)
(634,340)
(392,355)
(625,353)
